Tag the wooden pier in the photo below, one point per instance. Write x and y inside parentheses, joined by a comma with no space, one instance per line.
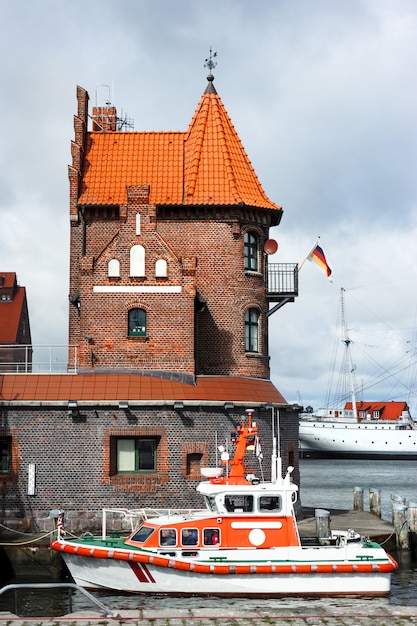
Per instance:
(362,522)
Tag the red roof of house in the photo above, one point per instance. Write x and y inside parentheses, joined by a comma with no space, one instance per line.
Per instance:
(206,165)
(387,410)
(115,387)
(11,309)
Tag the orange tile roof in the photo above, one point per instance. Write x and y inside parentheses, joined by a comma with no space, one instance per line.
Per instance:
(206,165)
(387,410)
(114,387)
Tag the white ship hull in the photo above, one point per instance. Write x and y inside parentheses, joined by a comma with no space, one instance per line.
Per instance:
(150,579)
(352,439)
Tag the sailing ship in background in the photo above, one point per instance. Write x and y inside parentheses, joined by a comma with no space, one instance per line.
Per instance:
(358,429)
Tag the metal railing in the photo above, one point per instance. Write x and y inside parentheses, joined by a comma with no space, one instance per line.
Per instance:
(38,359)
(282,279)
(70,586)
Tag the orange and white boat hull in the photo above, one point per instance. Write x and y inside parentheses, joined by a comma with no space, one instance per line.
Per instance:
(132,571)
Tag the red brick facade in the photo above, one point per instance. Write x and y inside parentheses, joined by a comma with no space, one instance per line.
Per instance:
(158,224)
(203,248)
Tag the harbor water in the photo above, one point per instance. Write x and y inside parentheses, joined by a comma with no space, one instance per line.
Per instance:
(327,484)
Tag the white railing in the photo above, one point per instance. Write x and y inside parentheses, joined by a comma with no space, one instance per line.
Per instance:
(38,359)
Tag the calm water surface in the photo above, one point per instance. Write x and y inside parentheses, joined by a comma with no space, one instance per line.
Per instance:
(324,484)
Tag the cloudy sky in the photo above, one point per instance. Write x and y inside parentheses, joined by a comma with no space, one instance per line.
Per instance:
(323,95)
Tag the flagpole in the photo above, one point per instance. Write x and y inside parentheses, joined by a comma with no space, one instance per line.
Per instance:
(302,262)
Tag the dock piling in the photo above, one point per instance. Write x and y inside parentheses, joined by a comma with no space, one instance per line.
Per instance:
(322,524)
(358,499)
(375,502)
(400,521)
(412,522)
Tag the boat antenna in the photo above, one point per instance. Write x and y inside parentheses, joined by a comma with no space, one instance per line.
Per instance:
(274,451)
(276,460)
(347,343)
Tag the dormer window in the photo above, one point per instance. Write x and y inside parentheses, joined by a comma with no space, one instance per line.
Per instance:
(251,251)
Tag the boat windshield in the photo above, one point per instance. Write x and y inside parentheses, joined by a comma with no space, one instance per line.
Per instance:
(142,534)
(211,504)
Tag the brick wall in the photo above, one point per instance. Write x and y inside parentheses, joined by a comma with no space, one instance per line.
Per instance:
(204,256)
(73,465)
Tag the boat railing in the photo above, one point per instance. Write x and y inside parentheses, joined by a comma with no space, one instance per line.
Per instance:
(134,517)
(69,586)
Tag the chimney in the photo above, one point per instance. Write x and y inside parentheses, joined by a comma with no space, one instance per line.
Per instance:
(104,119)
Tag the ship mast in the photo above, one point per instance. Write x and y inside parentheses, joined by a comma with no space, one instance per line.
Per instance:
(347,343)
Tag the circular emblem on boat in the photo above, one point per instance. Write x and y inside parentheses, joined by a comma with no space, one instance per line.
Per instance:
(256,537)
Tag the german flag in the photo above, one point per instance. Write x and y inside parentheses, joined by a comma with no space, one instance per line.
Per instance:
(317,255)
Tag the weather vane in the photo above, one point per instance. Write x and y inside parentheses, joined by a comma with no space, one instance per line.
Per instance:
(210,63)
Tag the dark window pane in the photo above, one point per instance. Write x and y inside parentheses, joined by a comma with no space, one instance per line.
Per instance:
(137,322)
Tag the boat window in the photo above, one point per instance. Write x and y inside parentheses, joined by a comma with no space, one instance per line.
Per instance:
(168,537)
(238,503)
(142,534)
(270,503)
(211,536)
(189,536)
(211,503)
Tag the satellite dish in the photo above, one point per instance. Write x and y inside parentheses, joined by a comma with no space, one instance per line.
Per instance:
(270,246)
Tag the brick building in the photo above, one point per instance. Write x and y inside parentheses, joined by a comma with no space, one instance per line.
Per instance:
(14,326)
(168,324)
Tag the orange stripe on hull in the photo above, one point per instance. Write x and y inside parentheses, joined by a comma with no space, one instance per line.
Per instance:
(219,569)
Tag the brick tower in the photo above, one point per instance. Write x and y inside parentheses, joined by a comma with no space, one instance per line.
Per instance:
(167,269)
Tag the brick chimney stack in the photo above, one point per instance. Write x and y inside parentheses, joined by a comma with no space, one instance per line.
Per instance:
(104,119)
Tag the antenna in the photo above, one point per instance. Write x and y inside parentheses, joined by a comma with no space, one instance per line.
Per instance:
(108,101)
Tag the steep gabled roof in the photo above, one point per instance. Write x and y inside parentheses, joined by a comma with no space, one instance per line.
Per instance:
(12,308)
(207,165)
(217,168)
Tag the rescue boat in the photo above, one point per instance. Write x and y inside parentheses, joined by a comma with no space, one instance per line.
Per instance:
(245,542)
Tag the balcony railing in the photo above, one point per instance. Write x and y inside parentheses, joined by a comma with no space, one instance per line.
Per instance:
(281,281)
(38,359)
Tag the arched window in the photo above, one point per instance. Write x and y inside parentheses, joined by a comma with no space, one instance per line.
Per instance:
(251,252)
(114,268)
(161,268)
(137,261)
(137,323)
(252,330)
